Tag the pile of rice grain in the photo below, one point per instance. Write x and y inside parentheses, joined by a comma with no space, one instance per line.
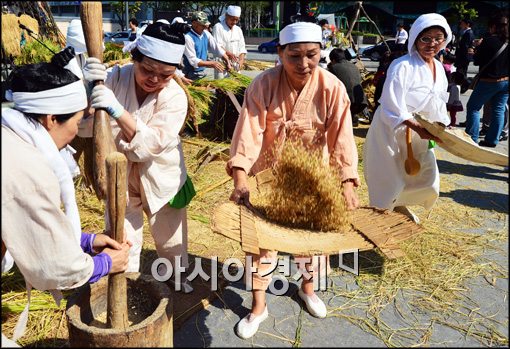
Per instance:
(307,192)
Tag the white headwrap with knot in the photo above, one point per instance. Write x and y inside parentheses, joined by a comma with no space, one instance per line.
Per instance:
(426,21)
(234,11)
(75,37)
(158,49)
(300,32)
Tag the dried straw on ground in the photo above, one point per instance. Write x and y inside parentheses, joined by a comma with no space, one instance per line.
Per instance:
(11,32)
(430,287)
(306,192)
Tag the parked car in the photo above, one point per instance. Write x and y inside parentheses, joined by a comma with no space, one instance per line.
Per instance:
(375,52)
(269,47)
(118,37)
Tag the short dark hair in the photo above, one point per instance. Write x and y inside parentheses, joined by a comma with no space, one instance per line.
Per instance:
(449,57)
(44,76)
(323,21)
(134,21)
(173,33)
(467,21)
(337,55)
(500,21)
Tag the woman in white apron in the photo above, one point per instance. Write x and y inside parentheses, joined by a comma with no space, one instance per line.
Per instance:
(415,82)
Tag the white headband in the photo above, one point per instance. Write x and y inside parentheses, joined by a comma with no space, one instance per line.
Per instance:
(158,49)
(300,32)
(61,100)
(234,11)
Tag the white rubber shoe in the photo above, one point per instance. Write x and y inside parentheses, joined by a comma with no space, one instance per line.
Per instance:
(314,304)
(249,325)
(408,213)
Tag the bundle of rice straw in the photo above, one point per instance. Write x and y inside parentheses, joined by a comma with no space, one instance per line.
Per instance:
(307,192)
(11,32)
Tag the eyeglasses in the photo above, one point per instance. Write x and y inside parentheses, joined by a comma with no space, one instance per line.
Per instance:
(429,40)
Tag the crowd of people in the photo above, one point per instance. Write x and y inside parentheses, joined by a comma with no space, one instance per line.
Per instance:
(297,98)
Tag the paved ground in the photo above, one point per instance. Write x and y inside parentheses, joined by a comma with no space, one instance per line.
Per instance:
(480,186)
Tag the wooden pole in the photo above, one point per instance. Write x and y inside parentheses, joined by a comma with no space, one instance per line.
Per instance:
(92,22)
(353,22)
(376,27)
(116,169)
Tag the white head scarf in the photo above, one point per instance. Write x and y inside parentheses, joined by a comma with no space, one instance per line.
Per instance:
(426,21)
(234,11)
(178,20)
(75,37)
(300,32)
(155,48)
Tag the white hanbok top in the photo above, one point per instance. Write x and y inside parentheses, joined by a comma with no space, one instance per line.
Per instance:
(156,145)
(229,39)
(409,87)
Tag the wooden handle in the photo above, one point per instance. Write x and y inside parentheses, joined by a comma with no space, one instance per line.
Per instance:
(92,22)
(408,143)
(91,14)
(116,170)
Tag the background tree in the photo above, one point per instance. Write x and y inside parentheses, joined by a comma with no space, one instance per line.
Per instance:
(462,12)
(119,11)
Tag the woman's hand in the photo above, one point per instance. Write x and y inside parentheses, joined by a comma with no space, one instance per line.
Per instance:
(420,130)
(241,193)
(120,257)
(351,198)
(103,241)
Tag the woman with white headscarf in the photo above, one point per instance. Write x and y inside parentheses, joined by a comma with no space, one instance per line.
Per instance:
(148,109)
(40,222)
(296,97)
(415,82)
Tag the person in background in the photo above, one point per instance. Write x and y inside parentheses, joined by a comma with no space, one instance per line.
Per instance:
(464,51)
(486,121)
(135,30)
(415,83)
(41,228)
(350,76)
(493,83)
(198,42)
(401,38)
(148,109)
(454,104)
(326,33)
(230,38)
(380,75)
(82,143)
(294,99)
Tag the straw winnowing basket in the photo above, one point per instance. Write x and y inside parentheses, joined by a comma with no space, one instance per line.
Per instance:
(371,227)
(459,143)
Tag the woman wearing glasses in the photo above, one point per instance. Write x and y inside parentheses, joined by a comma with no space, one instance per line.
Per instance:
(416,82)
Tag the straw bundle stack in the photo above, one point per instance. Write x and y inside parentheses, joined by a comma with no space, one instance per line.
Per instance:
(306,192)
(11,32)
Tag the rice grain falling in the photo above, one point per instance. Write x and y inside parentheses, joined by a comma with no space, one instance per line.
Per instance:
(307,192)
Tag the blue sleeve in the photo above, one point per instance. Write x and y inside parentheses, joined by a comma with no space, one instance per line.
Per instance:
(86,242)
(102,266)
